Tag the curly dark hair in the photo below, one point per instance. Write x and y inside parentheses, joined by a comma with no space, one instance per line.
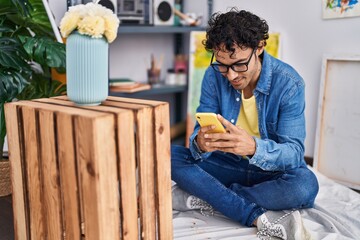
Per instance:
(242,28)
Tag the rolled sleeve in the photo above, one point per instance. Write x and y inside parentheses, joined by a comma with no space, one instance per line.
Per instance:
(196,153)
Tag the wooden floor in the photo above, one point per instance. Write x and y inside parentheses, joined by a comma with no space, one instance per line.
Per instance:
(6,219)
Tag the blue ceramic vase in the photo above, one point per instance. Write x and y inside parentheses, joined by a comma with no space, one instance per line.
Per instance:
(87,69)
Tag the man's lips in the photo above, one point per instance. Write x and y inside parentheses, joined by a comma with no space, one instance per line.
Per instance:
(238,81)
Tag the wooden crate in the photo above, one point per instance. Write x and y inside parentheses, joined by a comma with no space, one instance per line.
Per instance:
(98,172)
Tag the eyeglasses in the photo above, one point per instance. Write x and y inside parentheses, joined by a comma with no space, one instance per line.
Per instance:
(236,67)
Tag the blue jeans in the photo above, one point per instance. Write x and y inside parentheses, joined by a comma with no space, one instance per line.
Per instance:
(239,190)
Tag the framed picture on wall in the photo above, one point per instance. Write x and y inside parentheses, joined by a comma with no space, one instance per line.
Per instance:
(340,8)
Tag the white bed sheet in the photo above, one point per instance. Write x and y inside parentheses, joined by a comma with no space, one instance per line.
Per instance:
(336,215)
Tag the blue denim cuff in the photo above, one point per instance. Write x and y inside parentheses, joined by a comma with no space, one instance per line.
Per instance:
(255,216)
(259,154)
(259,158)
(196,153)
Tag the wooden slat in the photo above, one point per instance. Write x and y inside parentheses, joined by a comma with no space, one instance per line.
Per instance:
(146,164)
(17,174)
(105,154)
(127,170)
(135,101)
(95,144)
(37,221)
(50,176)
(163,171)
(65,109)
(68,176)
(132,102)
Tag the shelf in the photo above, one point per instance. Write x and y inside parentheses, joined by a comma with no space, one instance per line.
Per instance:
(155,92)
(161,89)
(157,29)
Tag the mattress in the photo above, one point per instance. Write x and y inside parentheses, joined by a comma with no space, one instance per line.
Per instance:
(336,215)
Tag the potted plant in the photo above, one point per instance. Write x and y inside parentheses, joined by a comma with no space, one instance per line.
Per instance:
(28,52)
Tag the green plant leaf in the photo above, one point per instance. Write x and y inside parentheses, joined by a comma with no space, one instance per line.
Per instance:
(39,15)
(29,23)
(61,70)
(45,51)
(6,7)
(5,29)
(13,54)
(11,84)
(41,87)
(27,14)
(23,6)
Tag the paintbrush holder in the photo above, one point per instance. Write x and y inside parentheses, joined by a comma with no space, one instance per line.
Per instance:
(153,76)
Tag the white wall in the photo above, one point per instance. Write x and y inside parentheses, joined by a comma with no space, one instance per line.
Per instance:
(58,7)
(305,38)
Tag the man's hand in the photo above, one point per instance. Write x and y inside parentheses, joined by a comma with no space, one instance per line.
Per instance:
(236,140)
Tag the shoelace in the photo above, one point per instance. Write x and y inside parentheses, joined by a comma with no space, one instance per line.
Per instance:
(270,229)
(205,208)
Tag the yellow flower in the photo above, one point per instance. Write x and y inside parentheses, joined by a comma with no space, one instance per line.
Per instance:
(91,19)
(111,26)
(69,23)
(92,26)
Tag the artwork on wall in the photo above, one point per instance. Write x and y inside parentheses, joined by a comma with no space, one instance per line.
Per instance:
(199,60)
(273,45)
(340,8)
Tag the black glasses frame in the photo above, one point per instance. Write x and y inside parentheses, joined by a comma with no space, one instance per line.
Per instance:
(215,66)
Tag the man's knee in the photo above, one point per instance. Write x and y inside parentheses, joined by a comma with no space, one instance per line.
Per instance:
(308,187)
(179,152)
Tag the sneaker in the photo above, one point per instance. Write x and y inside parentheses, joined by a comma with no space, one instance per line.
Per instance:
(183,201)
(282,225)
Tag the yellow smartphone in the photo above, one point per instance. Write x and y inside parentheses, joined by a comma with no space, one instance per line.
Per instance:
(206,119)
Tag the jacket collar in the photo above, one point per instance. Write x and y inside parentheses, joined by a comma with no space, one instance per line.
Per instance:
(264,82)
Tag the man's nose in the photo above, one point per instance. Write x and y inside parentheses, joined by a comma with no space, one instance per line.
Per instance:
(231,74)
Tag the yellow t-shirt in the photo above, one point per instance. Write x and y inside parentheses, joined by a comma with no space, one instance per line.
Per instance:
(248,117)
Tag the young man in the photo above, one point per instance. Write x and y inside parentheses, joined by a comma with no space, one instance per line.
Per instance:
(254,173)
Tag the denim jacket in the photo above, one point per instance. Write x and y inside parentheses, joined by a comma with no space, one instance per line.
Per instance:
(280,102)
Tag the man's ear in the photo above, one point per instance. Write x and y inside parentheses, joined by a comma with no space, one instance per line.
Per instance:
(260,48)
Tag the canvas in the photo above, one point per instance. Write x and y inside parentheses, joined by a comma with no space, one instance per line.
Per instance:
(340,8)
